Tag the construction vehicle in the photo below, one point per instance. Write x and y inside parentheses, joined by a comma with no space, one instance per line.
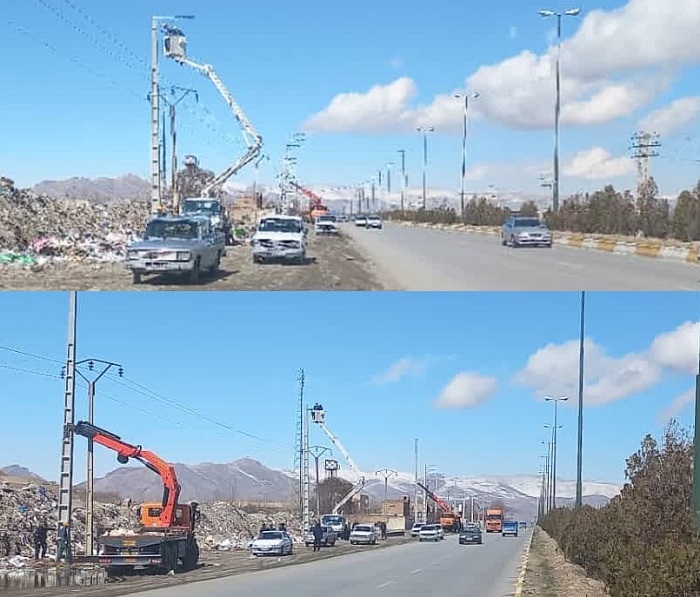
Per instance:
(450,521)
(316,206)
(318,416)
(494,520)
(166,539)
(175,48)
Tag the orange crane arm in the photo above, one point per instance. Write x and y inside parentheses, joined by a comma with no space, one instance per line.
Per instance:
(444,506)
(124,450)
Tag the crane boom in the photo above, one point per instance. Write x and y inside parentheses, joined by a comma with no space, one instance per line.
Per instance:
(351,494)
(175,45)
(444,506)
(125,451)
(341,448)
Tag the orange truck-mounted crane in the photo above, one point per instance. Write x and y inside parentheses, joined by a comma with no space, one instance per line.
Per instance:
(450,520)
(494,520)
(316,206)
(166,539)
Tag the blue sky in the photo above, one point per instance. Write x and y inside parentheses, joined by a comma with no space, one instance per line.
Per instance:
(229,362)
(79,76)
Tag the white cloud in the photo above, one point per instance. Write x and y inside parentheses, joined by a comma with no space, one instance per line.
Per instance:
(597,163)
(553,370)
(633,42)
(466,390)
(403,367)
(477,172)
(677,115)
(677,405)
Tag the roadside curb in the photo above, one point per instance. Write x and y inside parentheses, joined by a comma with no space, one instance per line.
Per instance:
(653,249)
(523,567)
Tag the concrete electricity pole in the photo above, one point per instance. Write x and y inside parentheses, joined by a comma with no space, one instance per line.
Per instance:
(415,488)
(173,141)
(90,501)
(65,482)
(317,452)
(556,400)
(156,158)
(386,473)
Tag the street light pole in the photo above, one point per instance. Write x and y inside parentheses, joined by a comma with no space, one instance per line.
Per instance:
(579,455)
(556,400)
(317,452)
(403,177)
(89,498)
(547,467)
(387,473)
(465,116)
(572,12)
(425,130)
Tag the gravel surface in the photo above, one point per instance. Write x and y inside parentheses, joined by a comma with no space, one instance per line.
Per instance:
(333,264)
(550,575)
(213,565)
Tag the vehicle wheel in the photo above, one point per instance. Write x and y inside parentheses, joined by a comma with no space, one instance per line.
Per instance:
(195,272)
(136,277)
(353,543)
(513,242)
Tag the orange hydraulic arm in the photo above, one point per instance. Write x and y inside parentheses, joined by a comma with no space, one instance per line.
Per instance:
(171,488)
(316,201)
(444,506)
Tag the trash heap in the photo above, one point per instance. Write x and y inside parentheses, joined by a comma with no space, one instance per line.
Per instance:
(36,229)
(222,526)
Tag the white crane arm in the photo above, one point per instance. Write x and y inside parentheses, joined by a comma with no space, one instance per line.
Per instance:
(252,138)
(351,494)
(341,448)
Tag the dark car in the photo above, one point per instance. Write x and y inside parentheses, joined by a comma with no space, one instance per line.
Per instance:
(470,534)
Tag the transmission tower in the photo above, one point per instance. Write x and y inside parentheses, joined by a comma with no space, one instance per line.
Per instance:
(644,146)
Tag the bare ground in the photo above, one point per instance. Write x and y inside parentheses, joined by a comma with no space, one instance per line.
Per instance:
(550,575)
(332,264)
(212,565)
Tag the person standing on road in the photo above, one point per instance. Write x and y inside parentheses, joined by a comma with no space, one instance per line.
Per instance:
(383,527)
(318,536)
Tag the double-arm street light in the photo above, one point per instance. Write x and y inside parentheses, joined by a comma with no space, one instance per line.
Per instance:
(465,116)
(552,459)
(386,473)
(547,475)
(555,400)
(572,12)
(425,130)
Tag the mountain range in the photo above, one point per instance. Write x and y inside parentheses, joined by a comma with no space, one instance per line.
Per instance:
(249,480)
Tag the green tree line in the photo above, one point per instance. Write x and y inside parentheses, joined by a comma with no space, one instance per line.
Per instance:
(607,211)
(643,543)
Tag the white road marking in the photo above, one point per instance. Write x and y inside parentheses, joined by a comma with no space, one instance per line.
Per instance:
(386,584)
(417,571)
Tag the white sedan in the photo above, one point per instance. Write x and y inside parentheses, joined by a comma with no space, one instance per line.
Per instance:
(269,543)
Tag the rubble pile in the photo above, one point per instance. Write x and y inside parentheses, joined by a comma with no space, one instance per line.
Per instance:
(36,229)
(222,526)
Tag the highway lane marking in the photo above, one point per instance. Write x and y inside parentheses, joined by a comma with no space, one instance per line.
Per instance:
(417,570)
(523,570)
(386,584)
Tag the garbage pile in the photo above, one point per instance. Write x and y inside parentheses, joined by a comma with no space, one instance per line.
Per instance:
(222,526)
(37,229)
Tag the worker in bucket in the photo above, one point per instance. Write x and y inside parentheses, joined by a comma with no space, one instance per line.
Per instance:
(318,536)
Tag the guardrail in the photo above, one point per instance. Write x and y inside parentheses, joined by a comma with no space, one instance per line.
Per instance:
(652,248)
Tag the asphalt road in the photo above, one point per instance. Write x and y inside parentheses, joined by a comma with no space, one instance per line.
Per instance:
(443,569)
(427,259)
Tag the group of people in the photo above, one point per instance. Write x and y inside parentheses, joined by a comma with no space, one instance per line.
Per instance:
(40,535)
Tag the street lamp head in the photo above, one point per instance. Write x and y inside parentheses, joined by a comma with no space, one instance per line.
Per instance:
(546,13)
(573,12)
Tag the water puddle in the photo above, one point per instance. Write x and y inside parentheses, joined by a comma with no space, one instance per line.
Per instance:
(36,578)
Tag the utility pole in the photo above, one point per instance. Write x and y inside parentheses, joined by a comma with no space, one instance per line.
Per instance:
(306,519)
(174,183)
(317,452)
(465,116)
(90,501)
(547,472)
(696,453)
(556,400)
(65,483)
(403,179)
(262,158)
(579,455)
(425,130)
(415,488)
(386,473)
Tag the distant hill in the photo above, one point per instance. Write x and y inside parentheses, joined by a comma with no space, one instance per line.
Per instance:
(19,472)
(128,187)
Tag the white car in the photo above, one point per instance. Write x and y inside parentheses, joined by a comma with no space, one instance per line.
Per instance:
(279,237)
(269,543)
(326,224)
(361,221)
(431,532)
(363,534)
(374,222)
(415,529)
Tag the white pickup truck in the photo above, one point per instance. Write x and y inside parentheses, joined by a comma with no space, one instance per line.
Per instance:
(279,237)
(326,224)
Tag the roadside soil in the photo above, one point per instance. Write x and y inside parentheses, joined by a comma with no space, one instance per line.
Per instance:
(212,565)
(550,575)
(333,263)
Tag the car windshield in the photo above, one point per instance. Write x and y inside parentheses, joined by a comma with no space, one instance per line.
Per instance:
(428,527)
(279,225)
(493,517)
(330,519)
(527,223)
(182,229)
(363,528)
(196,206)
(374,217)
(327,219)
(270,535)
